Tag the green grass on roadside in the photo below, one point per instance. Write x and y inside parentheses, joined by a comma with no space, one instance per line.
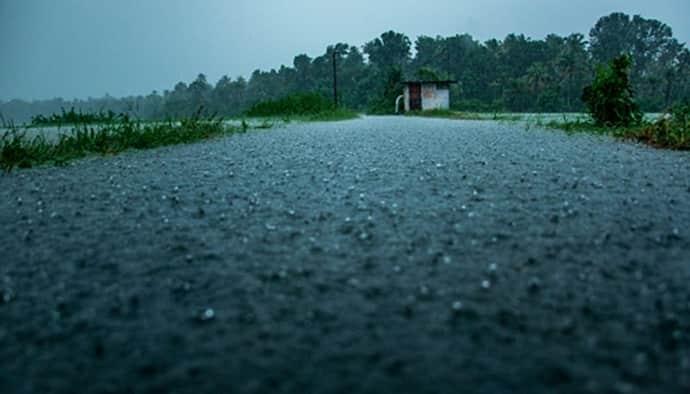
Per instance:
(456,115)
(271,121)
(331,116)
(17,149)
(327,116)
(574,126)
(671,131)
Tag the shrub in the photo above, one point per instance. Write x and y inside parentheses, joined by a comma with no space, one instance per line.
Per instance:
(671,130)
(299,104)
(610,98)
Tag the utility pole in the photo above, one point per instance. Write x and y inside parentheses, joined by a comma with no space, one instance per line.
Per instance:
(335,77)
(448,56)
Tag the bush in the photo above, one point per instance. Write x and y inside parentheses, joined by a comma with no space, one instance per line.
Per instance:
(299,104)
(610,98)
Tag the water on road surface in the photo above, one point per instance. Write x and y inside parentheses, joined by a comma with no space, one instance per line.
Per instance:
(375,255)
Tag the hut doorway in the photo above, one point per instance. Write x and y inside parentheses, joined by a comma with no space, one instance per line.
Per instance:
(416,97)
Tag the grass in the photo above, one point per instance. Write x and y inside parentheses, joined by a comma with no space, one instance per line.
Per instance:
(72,117)
(458,115)
(110,134)
(17,149)
(671,131)
(333,115)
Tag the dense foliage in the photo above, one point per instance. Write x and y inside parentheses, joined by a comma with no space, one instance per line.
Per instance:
(298,104)
(384,103)
(610,99)
(514,74)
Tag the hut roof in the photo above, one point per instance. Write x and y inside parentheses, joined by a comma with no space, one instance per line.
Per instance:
(445,82)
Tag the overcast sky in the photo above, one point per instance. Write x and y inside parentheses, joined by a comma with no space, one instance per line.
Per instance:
(82,48)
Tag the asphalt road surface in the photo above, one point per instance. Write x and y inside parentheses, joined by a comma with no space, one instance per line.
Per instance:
(381,255)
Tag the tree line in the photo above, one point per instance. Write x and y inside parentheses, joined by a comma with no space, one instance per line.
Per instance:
(516,74)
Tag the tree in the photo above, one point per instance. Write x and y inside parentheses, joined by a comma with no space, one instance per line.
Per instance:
(430,52)
(302,64)
(652,48)
(572,65)
(517,73)
(610,98)
(176,102)
(385,102)
(668,68)
(228,98)
(152,106)
(199,94)
(683,90)
(352,75)
(390,50)
(611,37)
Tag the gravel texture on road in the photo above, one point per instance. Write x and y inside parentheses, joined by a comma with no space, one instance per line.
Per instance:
(398,255)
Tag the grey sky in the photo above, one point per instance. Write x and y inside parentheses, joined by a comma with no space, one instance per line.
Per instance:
(82,48)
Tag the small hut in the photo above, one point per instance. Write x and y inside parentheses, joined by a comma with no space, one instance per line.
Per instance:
(425,95)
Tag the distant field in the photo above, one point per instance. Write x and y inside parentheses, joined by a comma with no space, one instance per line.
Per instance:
(52,133)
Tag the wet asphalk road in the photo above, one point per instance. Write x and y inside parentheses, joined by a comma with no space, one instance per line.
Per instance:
(379,255)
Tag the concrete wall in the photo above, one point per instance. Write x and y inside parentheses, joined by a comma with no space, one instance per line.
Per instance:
(434,97)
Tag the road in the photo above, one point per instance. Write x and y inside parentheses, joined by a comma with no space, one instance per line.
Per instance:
(377,255)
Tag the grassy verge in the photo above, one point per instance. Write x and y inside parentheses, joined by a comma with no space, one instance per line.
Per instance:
(17,149)
(671,131)
(456,115)
(325,116)
(267,122)
(333,115)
